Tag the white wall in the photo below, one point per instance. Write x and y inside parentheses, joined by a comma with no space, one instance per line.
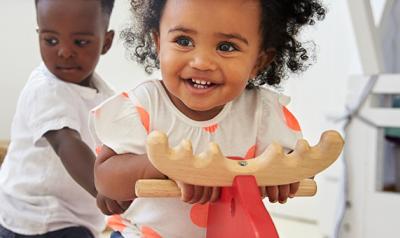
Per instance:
(315,94)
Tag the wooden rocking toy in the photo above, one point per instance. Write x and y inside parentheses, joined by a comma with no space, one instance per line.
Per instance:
(240,211)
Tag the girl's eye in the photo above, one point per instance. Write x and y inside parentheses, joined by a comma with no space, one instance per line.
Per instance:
(81,42)
(227,47)
(184,41)
(51,41)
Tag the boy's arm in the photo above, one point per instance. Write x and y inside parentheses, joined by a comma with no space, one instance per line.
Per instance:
(116,174)
(75,155)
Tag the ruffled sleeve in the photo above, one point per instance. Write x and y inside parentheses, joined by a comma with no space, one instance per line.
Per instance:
(120,123)
(277,123)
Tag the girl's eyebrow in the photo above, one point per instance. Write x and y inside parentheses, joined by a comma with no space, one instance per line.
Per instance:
(218,34)
(233,36)
(181,29)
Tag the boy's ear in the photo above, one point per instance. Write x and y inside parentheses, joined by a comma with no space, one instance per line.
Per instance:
(264,59)
(108,41)
(156,39)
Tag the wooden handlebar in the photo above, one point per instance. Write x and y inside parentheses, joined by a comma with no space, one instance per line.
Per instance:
(168,188)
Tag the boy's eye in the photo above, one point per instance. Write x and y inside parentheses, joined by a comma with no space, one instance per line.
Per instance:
(227,47)
(184,41)
(51,41)
(81,42)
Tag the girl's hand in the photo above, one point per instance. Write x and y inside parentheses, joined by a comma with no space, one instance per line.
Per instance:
(198,194)
(280,193)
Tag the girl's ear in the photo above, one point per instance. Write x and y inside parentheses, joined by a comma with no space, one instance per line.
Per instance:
(107,41)
(264,59)
(156,39)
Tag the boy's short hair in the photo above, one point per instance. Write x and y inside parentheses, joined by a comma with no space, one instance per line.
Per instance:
(106,5)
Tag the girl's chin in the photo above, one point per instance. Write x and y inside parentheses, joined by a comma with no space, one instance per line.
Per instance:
(206,109)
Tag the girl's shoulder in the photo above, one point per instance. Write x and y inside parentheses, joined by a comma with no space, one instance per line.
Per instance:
(274,96)
(141,94)
(266,97)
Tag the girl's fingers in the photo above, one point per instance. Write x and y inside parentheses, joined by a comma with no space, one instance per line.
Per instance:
(207,191)
(187,191)
(294,187)
(283,193)
(215,193)
(272,193)
(263,191)
(197,195)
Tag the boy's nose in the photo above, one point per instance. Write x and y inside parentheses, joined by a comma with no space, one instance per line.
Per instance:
(203,61)
(65,52)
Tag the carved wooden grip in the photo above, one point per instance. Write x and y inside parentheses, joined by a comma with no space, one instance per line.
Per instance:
(272,167)
(168,188)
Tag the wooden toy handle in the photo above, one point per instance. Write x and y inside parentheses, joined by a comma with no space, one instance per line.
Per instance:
(273,166)
(168,188)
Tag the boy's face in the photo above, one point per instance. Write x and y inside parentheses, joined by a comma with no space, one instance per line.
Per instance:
(72,36)
(208,50)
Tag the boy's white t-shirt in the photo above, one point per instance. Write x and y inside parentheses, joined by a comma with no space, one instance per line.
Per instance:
(37,195)
(244,128)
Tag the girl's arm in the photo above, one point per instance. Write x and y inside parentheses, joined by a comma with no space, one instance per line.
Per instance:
(116,174)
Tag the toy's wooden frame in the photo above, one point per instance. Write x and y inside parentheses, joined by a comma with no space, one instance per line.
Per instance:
(240,211)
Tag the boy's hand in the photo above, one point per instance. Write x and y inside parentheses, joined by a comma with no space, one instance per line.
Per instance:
(111,207)
(280,193)
(198,194)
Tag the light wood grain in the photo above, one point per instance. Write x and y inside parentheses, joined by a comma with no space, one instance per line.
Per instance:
(168,188)
(273,167)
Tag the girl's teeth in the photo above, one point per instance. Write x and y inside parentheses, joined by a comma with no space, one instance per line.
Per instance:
(201,82)
(199,86)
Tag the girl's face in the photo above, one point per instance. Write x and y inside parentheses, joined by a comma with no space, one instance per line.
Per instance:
(72,36)
(208,50)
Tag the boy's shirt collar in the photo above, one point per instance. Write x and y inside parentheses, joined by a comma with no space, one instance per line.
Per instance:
(86,92)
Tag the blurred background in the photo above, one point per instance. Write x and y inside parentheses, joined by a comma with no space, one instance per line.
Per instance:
(357,58)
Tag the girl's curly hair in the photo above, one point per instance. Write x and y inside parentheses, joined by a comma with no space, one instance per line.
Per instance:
(281,21)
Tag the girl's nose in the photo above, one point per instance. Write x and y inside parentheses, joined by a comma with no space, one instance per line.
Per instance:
(66,52)
(203,61)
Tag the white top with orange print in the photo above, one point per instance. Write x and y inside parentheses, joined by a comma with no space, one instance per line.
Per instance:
(244,128)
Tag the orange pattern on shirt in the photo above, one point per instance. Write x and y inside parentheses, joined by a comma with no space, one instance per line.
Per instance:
(125,94)
(96,112)
(147,232)
(291,120)
(144,118)
(211,129)
(116,223)
(98,149)
(251,153)
(199,214)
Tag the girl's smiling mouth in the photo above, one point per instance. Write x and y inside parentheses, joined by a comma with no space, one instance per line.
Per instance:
(200,83)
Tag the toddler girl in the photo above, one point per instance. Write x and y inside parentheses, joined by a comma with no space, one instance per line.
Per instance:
(209,52)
